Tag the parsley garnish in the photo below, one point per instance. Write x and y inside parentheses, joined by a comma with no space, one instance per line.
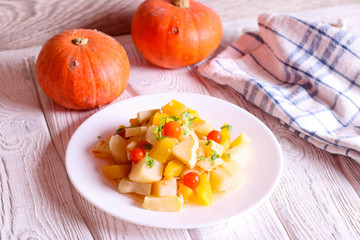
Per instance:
(148,146)
(174,118)
(214,156)
(119,130)
(228,127)
(149,160)
(185,114)
(188,115)
(208,143)
(184,130)
(201,157)
(228,156)
(157,131)
(191,120)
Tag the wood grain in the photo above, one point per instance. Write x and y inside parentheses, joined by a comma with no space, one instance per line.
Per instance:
(33,181)
(30,23)
(317,196)
(145,80)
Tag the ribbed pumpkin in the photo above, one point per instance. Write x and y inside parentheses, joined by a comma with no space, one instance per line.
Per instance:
(82,69)
(175,33)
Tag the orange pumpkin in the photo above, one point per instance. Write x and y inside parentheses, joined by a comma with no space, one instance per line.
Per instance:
(176,33)
(82,69)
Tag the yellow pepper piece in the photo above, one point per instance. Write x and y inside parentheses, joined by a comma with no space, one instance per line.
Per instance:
(203,193)
(185,192)
(174,108)
(173,169)
(162,149)
(226,145)
(225,134)
(195,115)
(116,171)
(160,116)
(241,139)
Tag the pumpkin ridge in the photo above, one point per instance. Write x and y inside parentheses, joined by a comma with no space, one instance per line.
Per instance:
(92,76)
(65,53)
(195,60)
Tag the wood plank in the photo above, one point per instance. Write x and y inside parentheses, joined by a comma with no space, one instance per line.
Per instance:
(36,200)
(31,23)
(313,200)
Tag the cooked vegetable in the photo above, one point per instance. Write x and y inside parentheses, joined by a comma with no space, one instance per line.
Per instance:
(117,146)
(164,203)
(137,154)
(128,186)
(215,136)
(191,180)
(172,129)
(165,187)
(185,151)
(116,171)
(147,170)
(169,166)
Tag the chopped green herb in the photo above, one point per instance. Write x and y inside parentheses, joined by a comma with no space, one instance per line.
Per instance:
(191,120)
(148,146)
(208,143)
(201,157)
(174,118)
(228,127)
(184,130)
(157,131)
(228,156)
(149,160)
(119,130)
(186,114)
(214,156)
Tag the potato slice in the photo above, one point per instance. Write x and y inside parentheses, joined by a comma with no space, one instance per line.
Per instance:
(202,128)
(135,131)
(240,153)
(142,172)
(209,163)
(185,151)
(229,175)
(128,186)
(165,203)
(102,150)
(117,145)
(144,116)
(165,188)
(150,136)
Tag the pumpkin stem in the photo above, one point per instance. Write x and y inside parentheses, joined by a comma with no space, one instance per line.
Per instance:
(80,41)
(181,3)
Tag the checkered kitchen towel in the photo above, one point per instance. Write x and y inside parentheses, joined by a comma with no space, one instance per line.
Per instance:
(307,74)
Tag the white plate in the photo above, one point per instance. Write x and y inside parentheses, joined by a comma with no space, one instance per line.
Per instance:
(262,171)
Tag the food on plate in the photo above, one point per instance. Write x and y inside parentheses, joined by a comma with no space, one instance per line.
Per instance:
(82,69)
(171,157)
(176,33)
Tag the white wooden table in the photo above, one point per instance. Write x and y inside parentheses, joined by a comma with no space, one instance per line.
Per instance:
(316,198)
